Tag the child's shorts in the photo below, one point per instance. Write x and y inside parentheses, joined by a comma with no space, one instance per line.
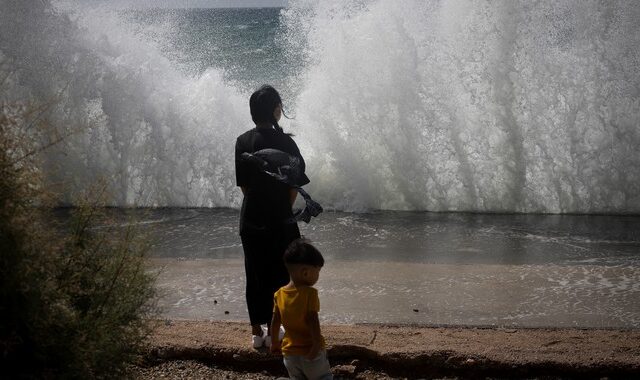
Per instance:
(301,368)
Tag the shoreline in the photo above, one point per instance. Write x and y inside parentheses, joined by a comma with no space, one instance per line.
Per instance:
(200,349)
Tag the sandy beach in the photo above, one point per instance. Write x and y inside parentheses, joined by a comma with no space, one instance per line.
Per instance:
(180,349)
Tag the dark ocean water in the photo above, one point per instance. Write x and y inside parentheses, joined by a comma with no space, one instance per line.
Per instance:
(423,237)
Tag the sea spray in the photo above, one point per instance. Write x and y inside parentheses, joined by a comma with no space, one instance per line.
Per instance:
(443,105)
(471,106)
(160,138)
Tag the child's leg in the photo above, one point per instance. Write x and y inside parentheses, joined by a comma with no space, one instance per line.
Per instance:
(293,364)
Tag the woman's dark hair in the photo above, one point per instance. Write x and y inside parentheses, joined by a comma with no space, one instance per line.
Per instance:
(262,103)
(300,251)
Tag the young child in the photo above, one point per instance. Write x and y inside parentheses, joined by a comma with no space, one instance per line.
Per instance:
(296,306)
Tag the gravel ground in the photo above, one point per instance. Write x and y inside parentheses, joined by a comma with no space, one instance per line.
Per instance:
(189,369)
(220,350)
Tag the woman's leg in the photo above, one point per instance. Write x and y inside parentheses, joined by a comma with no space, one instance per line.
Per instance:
(265,271)
(252,266)
(259,301)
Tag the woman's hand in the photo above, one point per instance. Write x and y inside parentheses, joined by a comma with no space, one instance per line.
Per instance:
(293,193)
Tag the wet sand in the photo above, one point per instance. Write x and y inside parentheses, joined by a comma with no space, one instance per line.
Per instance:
(541,295)
(214,349)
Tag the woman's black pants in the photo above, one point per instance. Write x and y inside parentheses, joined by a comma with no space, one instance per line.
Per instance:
(265,270)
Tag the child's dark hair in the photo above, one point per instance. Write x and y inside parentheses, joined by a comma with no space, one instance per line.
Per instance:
(262,103)
(300,251)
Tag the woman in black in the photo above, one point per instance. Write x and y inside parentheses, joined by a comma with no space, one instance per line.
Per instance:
(267,225)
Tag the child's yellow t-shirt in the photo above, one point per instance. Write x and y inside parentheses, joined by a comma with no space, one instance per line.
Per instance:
(293,304)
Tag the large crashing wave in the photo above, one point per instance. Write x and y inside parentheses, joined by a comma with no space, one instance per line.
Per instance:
(157,136)
(444,105)
(483,106)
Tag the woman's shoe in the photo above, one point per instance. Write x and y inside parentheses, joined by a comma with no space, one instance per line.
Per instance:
(267,338)
(258,340)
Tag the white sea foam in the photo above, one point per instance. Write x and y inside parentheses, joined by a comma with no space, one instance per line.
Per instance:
(443,105)
(458,105)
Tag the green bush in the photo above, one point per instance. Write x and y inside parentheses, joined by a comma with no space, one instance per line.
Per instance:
(75,300)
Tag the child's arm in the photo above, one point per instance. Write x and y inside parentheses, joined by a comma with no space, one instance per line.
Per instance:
(275,330)
(316,337)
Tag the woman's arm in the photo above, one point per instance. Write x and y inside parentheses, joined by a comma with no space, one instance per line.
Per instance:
(293,193)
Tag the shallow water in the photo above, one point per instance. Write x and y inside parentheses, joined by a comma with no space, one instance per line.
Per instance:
(422,268)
